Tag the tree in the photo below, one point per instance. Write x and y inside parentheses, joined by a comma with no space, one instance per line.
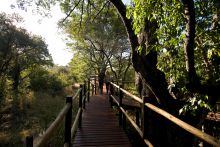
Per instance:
(144,62)
(161,12)
(45,80)
(103,41)
(19,49)
(151,32)
(80,67)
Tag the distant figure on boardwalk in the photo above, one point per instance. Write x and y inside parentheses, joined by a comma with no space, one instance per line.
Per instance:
(101,77)
(107,81)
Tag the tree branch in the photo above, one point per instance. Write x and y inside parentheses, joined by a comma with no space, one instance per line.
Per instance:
(82,11)
(121,9)
(100,10)
(71,11)
(189,41)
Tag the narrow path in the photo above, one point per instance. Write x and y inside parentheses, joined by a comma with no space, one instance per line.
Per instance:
(100,126)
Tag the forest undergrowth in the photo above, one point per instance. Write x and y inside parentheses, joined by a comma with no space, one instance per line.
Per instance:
(30,115)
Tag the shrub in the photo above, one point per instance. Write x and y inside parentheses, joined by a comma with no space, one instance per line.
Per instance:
(42,80)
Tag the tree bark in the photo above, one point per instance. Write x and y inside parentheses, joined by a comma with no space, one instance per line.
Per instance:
(189,41)
(153,81)
(16,75)
(145,65)
(194,85)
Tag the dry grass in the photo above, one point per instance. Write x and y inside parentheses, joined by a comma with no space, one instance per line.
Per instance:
(33,114)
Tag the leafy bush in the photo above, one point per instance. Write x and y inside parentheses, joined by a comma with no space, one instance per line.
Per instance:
(4,86)
(195,105)
(42,80)
(2,89)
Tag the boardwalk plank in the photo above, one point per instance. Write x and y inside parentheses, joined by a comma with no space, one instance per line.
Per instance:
(100,126)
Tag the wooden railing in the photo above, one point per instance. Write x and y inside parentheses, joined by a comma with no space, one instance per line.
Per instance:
(93,82)
(84,95)
(65,114)
(123,115)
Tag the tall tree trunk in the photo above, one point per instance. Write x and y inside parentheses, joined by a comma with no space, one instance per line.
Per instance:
(16,75)
(145,65)
(153,83)
(189,42)
(195,86)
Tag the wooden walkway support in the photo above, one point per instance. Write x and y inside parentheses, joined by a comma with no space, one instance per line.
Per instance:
(100,126)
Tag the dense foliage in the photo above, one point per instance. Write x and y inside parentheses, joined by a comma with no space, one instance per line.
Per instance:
(31,89)
(174,45)
(171,34)
(20,51)
(25,61)
(168,39)
(101,40)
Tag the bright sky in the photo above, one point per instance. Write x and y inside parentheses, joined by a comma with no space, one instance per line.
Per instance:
(48,29)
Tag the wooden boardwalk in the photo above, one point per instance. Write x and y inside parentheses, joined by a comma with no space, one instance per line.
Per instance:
(100,126)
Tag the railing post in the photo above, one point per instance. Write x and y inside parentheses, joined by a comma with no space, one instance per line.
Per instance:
(93,89)
(143,117)
(29,141)
(84,87)
(95,85)
(80,105)
(84,95)
(124,121)
(88,89)
(137,117)
(111,93)
(120,105)
(68,122)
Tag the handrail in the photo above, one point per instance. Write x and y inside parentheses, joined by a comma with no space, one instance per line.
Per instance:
(204,136)
(147,142)
(115,100)
(198,133)
(93,85)
(74,126)
(76,120)
(136,127)
(82,92)
(77,93)
(132,122)
(57,122)
(84,100)
(128,94)
(53,126)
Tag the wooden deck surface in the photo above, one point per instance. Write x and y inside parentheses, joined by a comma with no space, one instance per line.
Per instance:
(100,126)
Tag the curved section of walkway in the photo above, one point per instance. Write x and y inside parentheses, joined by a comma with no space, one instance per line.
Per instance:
(100,126)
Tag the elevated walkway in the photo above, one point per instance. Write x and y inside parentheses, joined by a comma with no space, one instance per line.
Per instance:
(100,126)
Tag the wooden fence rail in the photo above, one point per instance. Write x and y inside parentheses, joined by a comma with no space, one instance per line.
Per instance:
(84,93)
(66,112)
(196,132)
